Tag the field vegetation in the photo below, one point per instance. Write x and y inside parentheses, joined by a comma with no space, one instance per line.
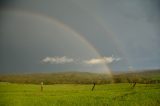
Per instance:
(79,95)
(76,89)
(151,76)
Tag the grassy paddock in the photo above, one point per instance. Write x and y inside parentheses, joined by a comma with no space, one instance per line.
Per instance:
(79,95)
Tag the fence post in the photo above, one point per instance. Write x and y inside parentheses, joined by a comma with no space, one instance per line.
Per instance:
(41,86)
(93,86)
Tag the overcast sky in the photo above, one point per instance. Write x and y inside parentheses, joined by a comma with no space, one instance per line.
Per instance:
(79,35)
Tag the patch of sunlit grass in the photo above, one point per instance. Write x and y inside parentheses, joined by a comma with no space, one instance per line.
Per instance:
(79,95)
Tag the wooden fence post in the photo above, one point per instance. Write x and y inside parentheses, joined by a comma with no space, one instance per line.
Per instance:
(93,86)
(41,86)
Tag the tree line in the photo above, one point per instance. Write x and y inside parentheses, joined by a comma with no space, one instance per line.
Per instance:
(82,78)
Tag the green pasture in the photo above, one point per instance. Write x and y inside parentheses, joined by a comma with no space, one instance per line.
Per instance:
(79,95)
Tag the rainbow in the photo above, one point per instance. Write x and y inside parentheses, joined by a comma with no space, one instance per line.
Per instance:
(61,25)
(119,45)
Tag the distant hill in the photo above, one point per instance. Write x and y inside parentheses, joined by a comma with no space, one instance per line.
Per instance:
(80,77)
(56,78)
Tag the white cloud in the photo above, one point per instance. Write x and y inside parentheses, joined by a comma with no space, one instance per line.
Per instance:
(101,60)
(57,60)
(93,61)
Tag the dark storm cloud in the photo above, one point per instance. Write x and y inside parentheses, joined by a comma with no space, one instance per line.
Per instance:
(128,29)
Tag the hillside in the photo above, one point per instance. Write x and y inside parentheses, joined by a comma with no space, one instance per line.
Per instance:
(81,77)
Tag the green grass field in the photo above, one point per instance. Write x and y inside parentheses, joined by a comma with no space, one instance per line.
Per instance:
(79,95)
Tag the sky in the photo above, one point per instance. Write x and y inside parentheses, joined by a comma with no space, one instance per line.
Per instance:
(79,35)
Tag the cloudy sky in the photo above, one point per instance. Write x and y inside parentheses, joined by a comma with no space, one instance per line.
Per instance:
(79,35)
